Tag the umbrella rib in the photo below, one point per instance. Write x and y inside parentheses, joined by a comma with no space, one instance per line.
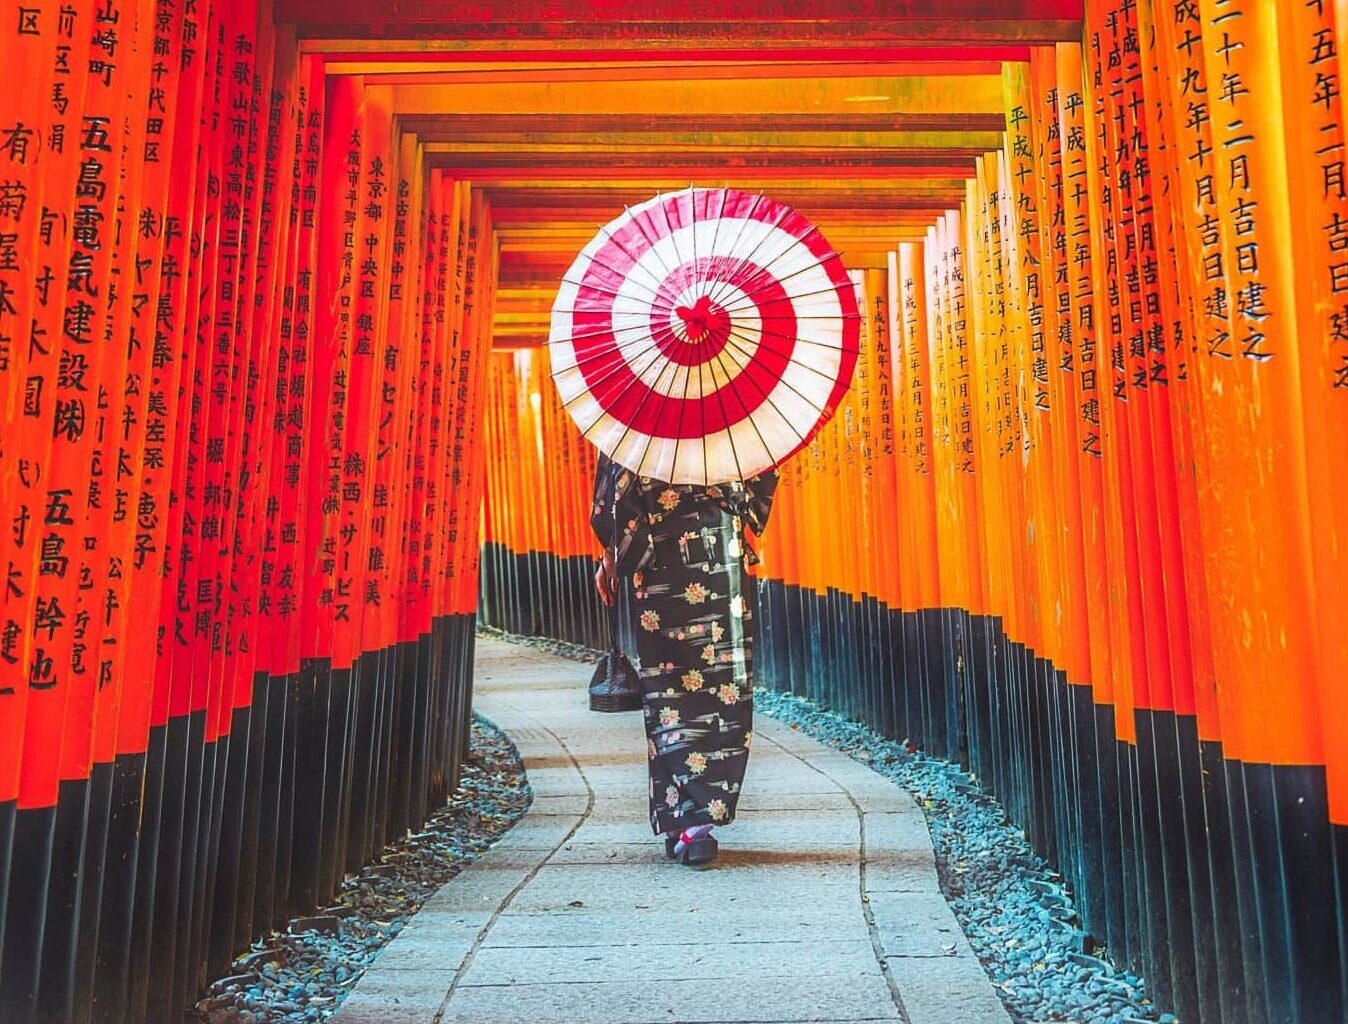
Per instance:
(657,302)
(743,336)
(810,316)
(669,273)
(678,431)
(651,242)
(669,234)
(804,366)
(701,384)
(720,286)
(787,383)
(650,438)
(766,277)
(831,290)
(763,266)
(623,361)
(599,332)
(782,416)
(795,362)
(781,380)
(603,331)
(716,223)
(627,427)
(715,229)
(750,418)
(702,412)
(730,436)
(635,261)
(654,292)
(742,261)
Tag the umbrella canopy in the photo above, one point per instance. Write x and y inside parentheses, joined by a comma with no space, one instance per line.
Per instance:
(704,335)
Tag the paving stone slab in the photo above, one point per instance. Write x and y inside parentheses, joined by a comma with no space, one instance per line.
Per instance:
(753,799)
(539,833)
(805,924)
(753,829)
(711,999)
(946,992)
(572,804)
(362,1007)
(917,924)
(648,851)
(431,949)
(758,960)
(899,855)
(666,885)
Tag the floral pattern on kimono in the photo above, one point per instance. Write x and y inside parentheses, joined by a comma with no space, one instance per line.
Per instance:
(684,547)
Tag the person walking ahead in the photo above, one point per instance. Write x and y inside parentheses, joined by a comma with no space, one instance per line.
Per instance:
(685,548)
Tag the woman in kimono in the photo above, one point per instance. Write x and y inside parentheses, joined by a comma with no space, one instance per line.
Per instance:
(685,549)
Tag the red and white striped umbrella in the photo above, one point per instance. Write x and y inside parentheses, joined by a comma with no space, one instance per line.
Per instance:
(704,336)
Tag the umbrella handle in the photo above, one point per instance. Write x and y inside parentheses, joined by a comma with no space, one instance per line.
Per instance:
(613,576)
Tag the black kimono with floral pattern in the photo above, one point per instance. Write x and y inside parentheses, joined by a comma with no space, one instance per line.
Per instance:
(684,548)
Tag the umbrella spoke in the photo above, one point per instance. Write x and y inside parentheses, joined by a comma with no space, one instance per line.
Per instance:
(621,361)
(776,284)
(794,339)
(678,431)
(636,262)
(599,332)
(626,278)
(672,235)
(659,302)
(790,387)
(702,395)
(745,415)
(651,242)
(750,418)
(763,267)
(765,396)
(627,427)
(745,260)
(718,287)
(794,362)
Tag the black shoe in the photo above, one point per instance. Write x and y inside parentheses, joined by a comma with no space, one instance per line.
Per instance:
(699,851)
(694,852)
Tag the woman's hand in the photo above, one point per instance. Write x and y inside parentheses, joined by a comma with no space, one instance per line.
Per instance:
(606,580)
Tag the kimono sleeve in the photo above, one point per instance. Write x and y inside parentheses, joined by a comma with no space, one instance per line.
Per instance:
(601,508)
(618,503)
(756,502)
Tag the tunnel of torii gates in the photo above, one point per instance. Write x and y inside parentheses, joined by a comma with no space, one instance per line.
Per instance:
(275,280)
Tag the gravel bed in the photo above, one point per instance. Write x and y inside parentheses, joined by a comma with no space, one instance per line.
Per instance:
(1015,909)
(302,973)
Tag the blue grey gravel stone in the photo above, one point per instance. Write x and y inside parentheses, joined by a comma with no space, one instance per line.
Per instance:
(302,971)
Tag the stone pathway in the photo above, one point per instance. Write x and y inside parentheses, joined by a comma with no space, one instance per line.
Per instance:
(823,906)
